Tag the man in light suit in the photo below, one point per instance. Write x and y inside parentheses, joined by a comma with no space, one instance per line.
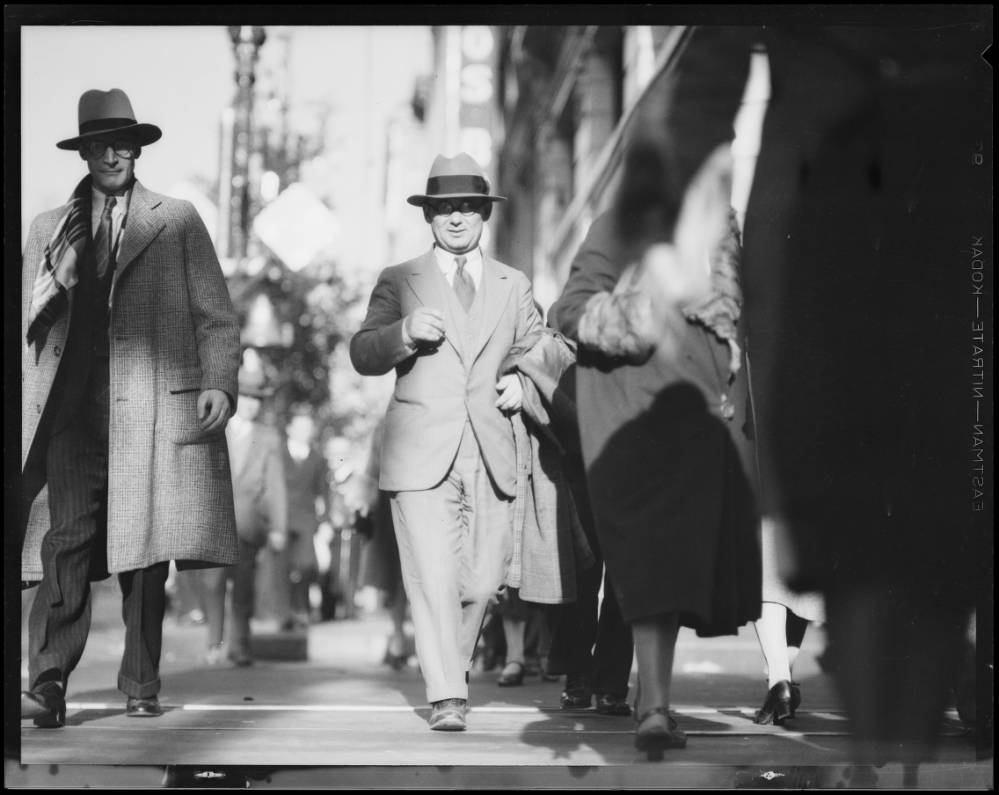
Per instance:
(129,362)
(445,321)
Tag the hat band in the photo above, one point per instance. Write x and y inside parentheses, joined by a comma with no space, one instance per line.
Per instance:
(98,125)
(461,183)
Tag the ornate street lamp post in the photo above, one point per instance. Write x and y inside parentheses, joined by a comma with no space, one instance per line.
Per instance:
(246,41)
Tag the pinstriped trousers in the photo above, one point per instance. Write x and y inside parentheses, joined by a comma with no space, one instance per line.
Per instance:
(59,622)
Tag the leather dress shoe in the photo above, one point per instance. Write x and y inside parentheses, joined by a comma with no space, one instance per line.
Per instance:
(777,706)
(578,695)
(143,707)
(45,704)
(610,704)
(512,675)
(448,715)
(658,730)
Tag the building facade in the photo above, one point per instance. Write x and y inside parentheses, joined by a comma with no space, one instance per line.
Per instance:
(567,96)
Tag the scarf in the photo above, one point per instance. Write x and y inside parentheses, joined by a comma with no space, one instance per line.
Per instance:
(58,271)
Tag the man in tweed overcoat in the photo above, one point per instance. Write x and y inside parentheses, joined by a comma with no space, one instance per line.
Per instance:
(129,360)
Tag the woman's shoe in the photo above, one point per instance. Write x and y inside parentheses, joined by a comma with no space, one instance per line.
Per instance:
(777,706)
(795,697)
(512,676)
(658,730)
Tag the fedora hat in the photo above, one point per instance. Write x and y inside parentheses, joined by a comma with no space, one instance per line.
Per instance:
(455,177)
(107,113)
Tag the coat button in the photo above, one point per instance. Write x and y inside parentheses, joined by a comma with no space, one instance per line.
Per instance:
(38,408)
(56,350)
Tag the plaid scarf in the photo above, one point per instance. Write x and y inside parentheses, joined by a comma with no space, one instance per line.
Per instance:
(58,271)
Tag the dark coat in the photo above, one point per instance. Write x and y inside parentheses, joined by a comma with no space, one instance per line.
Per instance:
(673,508)
(865,198)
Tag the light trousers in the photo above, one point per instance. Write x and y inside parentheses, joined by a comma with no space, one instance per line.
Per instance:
(455,543)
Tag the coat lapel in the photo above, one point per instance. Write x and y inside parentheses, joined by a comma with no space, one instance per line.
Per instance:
(142,225)
(497,288)
(427,282)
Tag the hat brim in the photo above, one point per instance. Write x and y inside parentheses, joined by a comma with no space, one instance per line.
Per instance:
(419,199)
(144,134)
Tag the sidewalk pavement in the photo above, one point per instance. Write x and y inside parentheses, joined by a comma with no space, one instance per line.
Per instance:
(343,720)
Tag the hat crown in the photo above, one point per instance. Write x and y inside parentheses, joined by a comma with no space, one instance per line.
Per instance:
(109,113)
(461,165)
(96,105)
(453,177)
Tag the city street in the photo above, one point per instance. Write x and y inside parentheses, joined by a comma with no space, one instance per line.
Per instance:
(342,719)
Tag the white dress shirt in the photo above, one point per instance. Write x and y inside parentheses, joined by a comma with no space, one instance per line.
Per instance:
(449,267)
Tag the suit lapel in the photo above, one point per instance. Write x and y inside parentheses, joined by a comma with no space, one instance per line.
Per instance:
(496,286)
(427,282)
(142,225)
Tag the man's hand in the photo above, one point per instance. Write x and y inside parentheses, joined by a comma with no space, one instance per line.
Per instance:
(277,541)
(511,393)
(423,324)
(213,410)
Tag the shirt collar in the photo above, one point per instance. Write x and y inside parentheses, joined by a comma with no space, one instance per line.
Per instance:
(98,197)
(445,260)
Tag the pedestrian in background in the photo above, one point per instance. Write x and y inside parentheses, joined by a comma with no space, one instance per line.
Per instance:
(308,505)
(587,640)
(445,321)
(128,379)
(673,508)
(784,619)
(380,567)
(591,643)
(261,502)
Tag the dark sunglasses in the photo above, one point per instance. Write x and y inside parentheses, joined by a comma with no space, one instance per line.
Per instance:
(96,148)
(463,206)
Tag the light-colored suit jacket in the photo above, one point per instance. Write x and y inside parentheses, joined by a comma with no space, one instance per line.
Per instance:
(437,388)
(173,334)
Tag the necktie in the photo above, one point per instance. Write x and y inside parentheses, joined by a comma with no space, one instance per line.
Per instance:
(463,284)
(104,240)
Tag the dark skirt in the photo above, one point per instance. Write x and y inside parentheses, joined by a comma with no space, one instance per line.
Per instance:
(675,516)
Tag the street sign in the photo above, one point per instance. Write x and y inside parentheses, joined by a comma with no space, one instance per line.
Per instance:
(297,226)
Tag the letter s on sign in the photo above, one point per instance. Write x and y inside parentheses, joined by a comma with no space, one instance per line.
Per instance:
(476,83)
(477,42)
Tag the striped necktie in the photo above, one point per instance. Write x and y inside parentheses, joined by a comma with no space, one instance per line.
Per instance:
(104,239)
(463,284)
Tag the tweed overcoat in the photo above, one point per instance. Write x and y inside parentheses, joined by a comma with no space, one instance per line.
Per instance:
(173,334)
(436,388)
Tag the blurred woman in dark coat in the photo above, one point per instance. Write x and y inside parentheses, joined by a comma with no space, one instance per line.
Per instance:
(674,510)
(861,249)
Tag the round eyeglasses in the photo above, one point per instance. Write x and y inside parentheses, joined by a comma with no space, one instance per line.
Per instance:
(463,206)
(96,148)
